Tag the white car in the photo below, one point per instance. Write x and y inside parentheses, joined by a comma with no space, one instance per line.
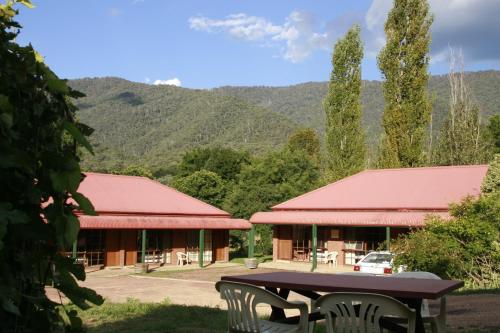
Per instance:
(379,263)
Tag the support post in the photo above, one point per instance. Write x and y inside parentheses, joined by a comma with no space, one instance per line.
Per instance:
(73,254)
(202,248)
(251,241)
(143,247)
(314,247)
(388,238)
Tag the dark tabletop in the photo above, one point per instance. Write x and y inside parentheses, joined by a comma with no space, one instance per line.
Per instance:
(390,286)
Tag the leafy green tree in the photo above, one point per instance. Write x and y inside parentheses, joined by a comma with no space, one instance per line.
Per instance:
(225,162)
(39,172)
(204,185)
(494,132)
(269,180)
(134,170)
(461,140)
(345,140)
(491,183)
(403,62)
(305,139)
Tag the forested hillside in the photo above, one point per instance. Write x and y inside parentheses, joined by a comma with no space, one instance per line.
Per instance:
(150,125)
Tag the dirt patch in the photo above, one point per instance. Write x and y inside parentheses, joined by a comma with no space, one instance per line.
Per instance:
(468,312)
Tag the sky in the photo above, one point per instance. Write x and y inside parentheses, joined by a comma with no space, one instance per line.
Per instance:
(207,44)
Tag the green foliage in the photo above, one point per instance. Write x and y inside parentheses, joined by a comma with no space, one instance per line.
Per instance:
(462,140)
(467,247)
(204,185)
(39,171)
(403,62)
(267,181)
(134,170)
(345,140)
(305,139)
(494,132)
(491,183)
(225,162)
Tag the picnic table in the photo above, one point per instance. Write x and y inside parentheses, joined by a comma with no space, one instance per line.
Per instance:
(409,290)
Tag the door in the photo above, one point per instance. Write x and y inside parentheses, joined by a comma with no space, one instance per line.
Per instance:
(220,240)
(285,242)
(112,257)
(129,245)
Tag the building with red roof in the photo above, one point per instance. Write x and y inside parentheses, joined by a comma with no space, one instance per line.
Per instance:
(354,215)
(130,207)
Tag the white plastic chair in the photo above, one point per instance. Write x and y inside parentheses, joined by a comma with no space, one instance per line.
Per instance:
(438,321)
(242,300)
(182,257)
(342,316)
(331,258)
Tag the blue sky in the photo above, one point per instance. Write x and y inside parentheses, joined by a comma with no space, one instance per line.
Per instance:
(205,44)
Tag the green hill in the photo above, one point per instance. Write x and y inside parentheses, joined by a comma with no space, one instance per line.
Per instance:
(137,123)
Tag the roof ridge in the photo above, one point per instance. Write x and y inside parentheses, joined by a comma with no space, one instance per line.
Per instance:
(430,167)
(114,175)
(320,188)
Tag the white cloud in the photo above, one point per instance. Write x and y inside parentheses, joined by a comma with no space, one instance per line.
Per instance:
(147,79)
(170,82)
(472,25)
(297,36)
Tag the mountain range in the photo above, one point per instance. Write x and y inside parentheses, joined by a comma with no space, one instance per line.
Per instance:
(152,125)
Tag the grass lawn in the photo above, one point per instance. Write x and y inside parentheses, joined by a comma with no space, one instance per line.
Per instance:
(136,317)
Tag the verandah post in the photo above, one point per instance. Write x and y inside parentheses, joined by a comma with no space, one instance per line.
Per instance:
(251,241)
(202,248)
(73,254)
(143,247)
(314,247)
(388,238)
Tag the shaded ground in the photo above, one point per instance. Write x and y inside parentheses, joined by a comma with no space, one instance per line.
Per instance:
(194,288)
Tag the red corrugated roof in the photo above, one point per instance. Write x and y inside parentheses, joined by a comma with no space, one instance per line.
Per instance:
(140,195)
(430,188)
(365,218)
(160,222)
(130,202)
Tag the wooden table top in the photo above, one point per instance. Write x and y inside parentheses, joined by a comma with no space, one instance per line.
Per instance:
(390,286)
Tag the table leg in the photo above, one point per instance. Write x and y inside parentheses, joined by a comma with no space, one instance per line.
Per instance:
(277,313)
(416,304)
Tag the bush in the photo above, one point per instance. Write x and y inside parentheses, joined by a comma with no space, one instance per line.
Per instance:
(467,247)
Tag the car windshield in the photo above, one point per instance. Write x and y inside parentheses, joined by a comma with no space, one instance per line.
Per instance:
(378,258)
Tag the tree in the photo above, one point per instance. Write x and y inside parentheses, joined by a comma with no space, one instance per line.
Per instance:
(305,139)
(345,140)
(134,170)
(494,132)
(461,140)
(204,185)
(403,62)
(269,180)
(39,172)
(491,183)
(225,162)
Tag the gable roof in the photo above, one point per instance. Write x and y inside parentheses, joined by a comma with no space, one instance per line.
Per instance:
(118,194)
(426,189)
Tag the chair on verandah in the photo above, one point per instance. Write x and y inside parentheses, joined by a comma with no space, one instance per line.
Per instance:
(182,258)
(242,300)
(331,258)
(362,312)
(438,321)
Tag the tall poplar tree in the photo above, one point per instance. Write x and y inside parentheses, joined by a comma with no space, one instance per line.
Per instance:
(461,139)
(345,140)
(403,62)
